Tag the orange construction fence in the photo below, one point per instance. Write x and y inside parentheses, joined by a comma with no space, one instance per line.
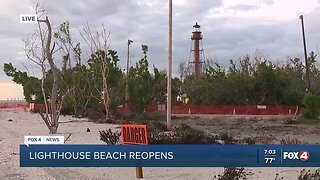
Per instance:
(221,109)
(188,109)
(17,104)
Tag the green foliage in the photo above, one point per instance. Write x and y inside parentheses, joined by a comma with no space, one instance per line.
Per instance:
(31,85)
(250,82)
(268,84)
(64,33)
(159,85)
(85,83)
(140,83)
(311,106)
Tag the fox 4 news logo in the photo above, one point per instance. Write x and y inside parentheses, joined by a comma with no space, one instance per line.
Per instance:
(302,155)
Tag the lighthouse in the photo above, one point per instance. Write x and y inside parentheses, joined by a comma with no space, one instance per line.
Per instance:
(196,49)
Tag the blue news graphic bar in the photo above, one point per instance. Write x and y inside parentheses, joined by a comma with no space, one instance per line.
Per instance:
(170,155)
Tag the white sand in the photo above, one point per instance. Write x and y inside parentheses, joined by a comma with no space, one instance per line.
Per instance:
(25,123)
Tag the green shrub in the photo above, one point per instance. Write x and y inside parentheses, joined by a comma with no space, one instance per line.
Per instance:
(157,125)
(227,138)
(66,111)
(183,134)
(232,173)
(249,140)
(110,137)
(311,106)
(137,117)
(94,115)
(290,141)
(308,175)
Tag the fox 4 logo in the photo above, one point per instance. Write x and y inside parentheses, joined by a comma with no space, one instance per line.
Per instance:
(303,155)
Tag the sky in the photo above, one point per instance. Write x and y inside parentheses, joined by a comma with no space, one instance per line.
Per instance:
(230,29)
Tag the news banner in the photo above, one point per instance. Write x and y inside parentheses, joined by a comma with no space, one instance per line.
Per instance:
(49,151)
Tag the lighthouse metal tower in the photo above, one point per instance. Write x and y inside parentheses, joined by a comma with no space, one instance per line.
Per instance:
(196,50)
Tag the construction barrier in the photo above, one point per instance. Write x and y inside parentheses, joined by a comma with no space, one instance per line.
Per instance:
(223,109)
(186,109)
(13,104)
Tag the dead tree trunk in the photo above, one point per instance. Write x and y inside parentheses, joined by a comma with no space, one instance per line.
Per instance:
(105,87)
(41,53)
(98,43)
(48,51)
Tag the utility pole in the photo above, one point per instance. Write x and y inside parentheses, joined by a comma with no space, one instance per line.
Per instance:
(305,53)
(127,76)
(169,68)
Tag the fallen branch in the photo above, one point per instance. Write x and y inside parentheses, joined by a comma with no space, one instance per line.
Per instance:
(67,138)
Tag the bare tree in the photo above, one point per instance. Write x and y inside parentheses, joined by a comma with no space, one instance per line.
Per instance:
(99,43)
(72,53)
(184,70)
(39,49)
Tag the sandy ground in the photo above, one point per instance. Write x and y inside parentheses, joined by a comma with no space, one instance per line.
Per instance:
(26,123)
(271,127)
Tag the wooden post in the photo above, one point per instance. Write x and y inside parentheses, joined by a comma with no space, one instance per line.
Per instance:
(139,173)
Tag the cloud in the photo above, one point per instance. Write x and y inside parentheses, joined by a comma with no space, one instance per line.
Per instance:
(268,2)
(244,7)
(229,29)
